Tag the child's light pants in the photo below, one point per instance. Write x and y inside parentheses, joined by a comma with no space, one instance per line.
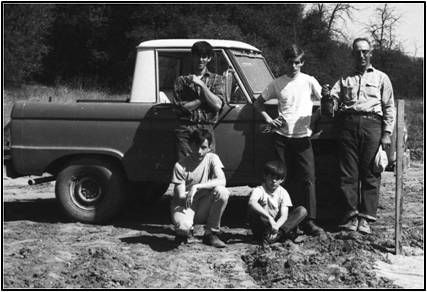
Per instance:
(207,208)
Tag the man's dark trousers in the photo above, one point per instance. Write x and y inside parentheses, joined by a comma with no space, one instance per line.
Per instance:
(359,139)
(297,155)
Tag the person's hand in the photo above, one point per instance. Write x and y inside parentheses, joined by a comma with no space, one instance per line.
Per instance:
(273,224)
(196,80)
(190,196)
(215,194)
(386,140)
(326,90)
(277,123)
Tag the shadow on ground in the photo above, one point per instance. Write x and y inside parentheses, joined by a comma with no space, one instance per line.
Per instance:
(133,215)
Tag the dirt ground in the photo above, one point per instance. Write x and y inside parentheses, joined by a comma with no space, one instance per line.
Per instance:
(42,249)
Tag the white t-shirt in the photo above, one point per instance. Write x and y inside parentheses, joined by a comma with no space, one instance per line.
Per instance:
(295,102)
(193,172)
(272,203)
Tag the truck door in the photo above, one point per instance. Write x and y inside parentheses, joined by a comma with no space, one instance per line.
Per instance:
(234,134)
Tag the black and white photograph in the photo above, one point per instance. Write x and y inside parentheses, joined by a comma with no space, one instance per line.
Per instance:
(213,145)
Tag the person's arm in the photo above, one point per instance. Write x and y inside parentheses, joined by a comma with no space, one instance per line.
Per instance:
(218,179)
(255,205)
(259,106)
(316,89)
(178,100)
(387,103)
(284,210)
(335,93)
(218,176)
(191,105)
(178,179)
(211,98)
(179,191)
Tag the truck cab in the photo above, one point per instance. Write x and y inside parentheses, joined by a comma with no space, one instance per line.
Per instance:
(239,139)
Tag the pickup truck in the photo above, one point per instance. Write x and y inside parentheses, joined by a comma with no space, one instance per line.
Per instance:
(98,151)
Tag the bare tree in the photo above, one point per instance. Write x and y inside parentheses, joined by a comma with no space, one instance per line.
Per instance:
(382,28)
(333,15)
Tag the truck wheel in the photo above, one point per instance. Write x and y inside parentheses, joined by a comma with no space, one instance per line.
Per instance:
(90,190)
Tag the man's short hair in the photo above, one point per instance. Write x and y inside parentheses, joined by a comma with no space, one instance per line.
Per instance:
(275,168)
(198,136)
(202,48)
(293,52)
(361,40)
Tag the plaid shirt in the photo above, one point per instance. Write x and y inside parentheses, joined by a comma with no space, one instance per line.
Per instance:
(185,91)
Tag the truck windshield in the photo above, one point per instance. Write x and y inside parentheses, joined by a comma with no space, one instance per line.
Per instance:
(255,69)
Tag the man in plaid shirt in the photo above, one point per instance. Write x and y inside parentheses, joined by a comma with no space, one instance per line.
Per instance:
(199,96)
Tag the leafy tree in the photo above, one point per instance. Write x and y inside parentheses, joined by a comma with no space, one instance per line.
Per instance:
(93,45)
(25,30)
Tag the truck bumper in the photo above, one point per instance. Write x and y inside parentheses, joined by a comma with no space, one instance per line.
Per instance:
(7,162)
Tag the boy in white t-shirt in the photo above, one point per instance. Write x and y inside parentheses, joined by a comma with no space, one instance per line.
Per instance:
(295,92)
(269,216)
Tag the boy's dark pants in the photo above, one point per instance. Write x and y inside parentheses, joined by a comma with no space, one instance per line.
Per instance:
(261,227)
(297,155)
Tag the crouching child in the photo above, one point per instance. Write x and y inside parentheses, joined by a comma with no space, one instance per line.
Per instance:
(200,195)
(269,217)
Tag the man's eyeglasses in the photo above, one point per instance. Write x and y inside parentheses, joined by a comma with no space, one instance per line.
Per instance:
(364,52)
(291,62)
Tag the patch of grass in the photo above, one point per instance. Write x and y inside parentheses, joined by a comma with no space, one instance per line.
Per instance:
(58,94)
(414,114)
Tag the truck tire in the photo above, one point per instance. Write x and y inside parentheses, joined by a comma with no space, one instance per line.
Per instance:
(90,190)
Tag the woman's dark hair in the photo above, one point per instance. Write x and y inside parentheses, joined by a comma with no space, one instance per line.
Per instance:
(293,52)
(199,135)
(202,48)
(275,168)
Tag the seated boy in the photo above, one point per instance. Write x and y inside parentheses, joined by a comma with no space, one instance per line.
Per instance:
(200,195)
(269,216)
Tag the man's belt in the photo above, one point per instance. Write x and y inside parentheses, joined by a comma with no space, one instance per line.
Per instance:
(371,115)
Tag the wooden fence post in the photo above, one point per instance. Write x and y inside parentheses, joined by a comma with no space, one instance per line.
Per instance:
(399,172)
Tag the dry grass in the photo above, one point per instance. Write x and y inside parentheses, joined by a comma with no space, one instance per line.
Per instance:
(59,94)
(414,114)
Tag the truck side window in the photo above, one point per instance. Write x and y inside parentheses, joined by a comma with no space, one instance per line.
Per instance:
(170,67)
(220,65)
(172,64)
(237,95)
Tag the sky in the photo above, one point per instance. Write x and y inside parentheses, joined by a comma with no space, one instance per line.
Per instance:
(410,30)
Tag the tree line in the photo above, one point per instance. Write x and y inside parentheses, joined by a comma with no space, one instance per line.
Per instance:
(93,45)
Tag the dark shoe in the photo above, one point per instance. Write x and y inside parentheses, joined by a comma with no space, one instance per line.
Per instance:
(213,240)
(180,239)
(351,224)
(312,229)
